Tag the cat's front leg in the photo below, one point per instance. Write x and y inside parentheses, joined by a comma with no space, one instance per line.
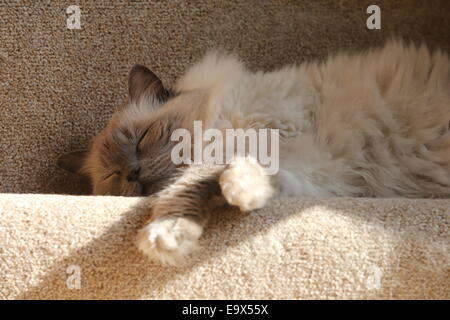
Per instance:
(178,215)
(171,239)
(245,184)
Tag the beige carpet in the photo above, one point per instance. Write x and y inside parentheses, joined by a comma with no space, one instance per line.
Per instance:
(58,87)
(296,249)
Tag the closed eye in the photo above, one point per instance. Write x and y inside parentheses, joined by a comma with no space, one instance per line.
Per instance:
(141,138)
(114,173)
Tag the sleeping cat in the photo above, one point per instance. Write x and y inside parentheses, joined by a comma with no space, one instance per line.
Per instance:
(374,124)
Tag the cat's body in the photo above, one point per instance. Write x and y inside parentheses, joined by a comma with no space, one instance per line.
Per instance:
(374,124)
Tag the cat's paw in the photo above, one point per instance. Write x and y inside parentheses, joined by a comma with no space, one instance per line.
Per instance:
(169,240)
(245,184)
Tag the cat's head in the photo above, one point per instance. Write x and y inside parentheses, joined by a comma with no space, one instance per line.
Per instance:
(132,155)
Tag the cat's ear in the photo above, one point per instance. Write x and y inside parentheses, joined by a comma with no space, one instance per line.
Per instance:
(144,83)
(73,161)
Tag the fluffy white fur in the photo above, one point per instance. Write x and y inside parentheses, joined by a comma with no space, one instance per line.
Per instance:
(169,240)
(244,184)
(374,124)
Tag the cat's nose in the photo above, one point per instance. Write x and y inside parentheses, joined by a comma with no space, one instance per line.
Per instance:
(134,174)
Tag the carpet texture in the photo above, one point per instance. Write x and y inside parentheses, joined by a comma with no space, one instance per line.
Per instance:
(58,87)
(295,249)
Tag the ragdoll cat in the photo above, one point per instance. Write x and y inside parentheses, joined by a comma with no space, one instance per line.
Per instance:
(374,124)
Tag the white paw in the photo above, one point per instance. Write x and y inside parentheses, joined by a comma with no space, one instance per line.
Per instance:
(169,240)
(245,184)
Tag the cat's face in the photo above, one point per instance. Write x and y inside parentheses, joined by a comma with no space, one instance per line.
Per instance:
(131,156)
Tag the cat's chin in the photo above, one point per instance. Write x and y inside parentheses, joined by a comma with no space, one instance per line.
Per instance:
(147,189)
(151,188)
(169,240)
